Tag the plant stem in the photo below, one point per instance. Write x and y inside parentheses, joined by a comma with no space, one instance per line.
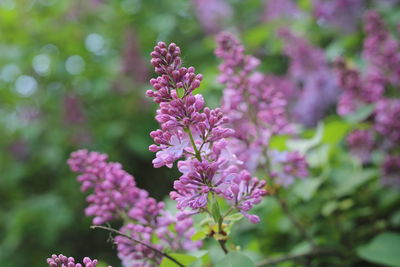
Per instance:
(295,222)
(216,213)
(288,257)
(196,151)
(222,244)
(139,242)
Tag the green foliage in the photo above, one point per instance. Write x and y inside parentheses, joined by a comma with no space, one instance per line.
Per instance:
(361,114)
(235,259)
(305,145)
(383,249)
(182,258)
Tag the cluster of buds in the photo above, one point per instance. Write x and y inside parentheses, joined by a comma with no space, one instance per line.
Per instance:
(196,137)
(381,50)
(115,196)
(357,90)
(64,261)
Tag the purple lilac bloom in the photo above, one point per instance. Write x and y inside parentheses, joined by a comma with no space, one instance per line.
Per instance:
(114,190)
(340,14)
(287,166)
(172,233)
(255,106)
(73,110)
(197,181)
(63,261)
(190,133)
(133,64)
(387,119)
(134,254)
(212,14)
(257,110)
(244,192)
(381,50)
(286,9)
(361,144)
(357,90)
(115,196)
(391,171)
(309,68)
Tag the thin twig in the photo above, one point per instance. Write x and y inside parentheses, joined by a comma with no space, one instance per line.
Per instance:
(139,242)
(315,252)
(222,243)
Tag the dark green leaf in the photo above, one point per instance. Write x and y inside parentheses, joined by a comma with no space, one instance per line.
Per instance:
(182,258)
(383,249)
(235,259)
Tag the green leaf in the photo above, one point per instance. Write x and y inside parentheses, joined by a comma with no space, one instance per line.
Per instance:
(361,114)
(306,189)
(202,258)
(383,249)
(329,208)
(215,211)
(102,264)
(197,263)
(319,156)
(335,131)
(349,182)
(235,259)
(206,221)
(305,5)
(395,219)
(198,235)
(257,35)
(234,217)
(303,145)
(278,142)
(346,204)
(182,258)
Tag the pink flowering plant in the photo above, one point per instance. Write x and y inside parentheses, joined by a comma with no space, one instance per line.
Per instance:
(216,181)
(308,144)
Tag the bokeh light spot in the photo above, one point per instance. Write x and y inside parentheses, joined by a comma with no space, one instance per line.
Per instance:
(75,65)
(26,85)
(41,64)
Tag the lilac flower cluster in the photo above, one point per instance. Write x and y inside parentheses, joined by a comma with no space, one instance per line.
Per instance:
(387,119)
(316,88)
(357,90)
(274,10)
(115,196)
(382,56)
(361,144)
(212,14)
(114,190)
(340,14)
(286,166)
(381,50)
(391,171)
(257,109)
(63,261)
(196,136)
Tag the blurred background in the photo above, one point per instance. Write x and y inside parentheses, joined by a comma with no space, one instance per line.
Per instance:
(73,74)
